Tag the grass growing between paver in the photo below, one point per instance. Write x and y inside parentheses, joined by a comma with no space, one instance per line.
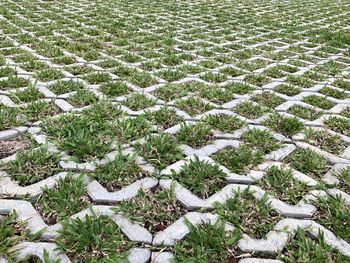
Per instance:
(252,216)
(342,84)
(255,144)
(92,238)
(53,204)
(171,92)
(280,183)
(10,117)
(164,118)
(327,142)
(160,150)
(216,95)
(125,130)
(287,126)
(194,135)
(13,82)
(115,89)
(39,110)
(223,122)
(334,214)
(89,136)
(82,98)
(288,90)
(304,113)
(33,165)
(118,173)
(79,136)
(318,101)
(139,101)
(344,176)
(155,209)
(304,249)
(268,99)
(27,95)
(308,162)
(193,106)
(62,87)
(346,112)
(250,110)
(49,75)
(260,140)
(337,94)
(207,243)
(238,160)
(12,232)
(201,177)
(338,124)
(152,77)
(239,88)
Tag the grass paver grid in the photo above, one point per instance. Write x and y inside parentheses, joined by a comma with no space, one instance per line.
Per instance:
(103,103)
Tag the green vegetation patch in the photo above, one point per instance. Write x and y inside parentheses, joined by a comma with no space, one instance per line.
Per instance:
(250,110)
(201,177)
(268,99)
(193,106)
(280,183)
(318,101)
(52,203)
(207,243)
(344,176)
(119,173)
(12,232)
(160,150)
(195,135)
(334,214)
(304,249)
(252,216)
(224,122)
(155,210)
(100,234)
(326,141)
(10,117)
(80,136)
(33,165)
(260,140)
(165,118)
(338,124)
(304,113)
(308,162)
(239,160)
(288,126)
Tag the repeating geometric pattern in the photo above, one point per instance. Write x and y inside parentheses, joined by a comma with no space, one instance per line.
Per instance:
(130,130)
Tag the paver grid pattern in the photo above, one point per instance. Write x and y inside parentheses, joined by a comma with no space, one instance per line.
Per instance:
(193,103)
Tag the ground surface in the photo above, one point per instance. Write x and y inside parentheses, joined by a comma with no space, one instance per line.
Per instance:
(193,131)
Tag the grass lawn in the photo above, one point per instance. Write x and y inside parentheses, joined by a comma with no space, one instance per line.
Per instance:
(126,91)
